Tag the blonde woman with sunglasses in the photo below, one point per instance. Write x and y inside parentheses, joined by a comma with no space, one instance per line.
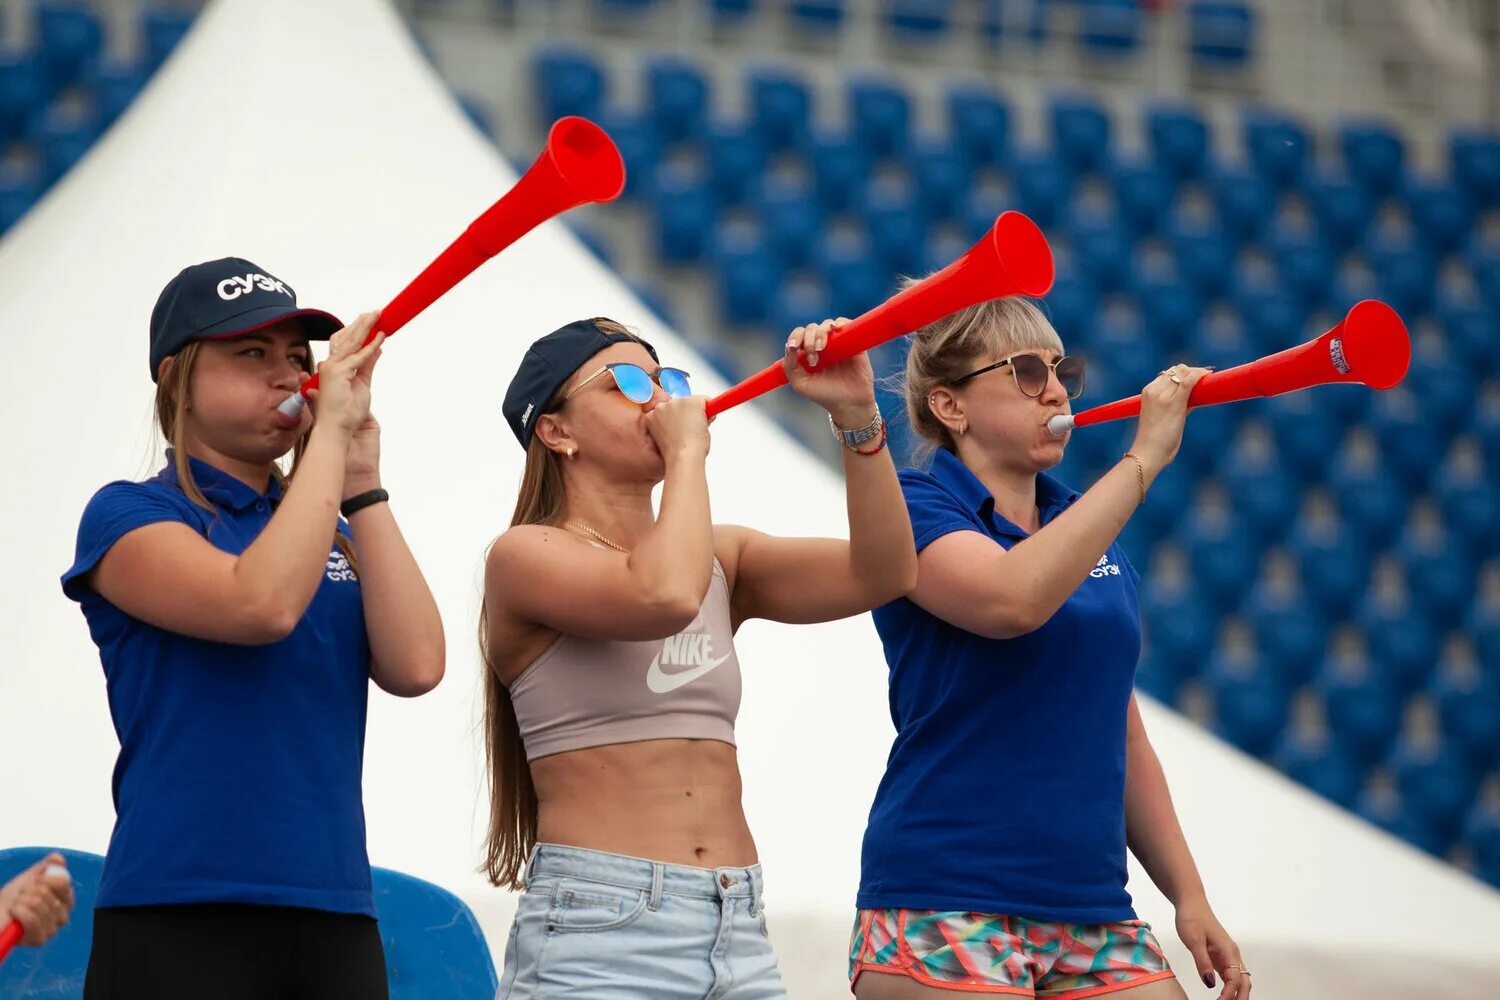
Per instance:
(994,858)
(612,689)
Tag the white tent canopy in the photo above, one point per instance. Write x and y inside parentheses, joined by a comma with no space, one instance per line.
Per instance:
(313,139)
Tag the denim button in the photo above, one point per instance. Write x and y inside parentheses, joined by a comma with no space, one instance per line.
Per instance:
(726,881)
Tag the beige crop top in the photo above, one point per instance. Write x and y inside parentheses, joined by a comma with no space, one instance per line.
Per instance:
(593,692)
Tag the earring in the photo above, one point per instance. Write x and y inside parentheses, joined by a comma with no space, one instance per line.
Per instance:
(963,428)
(571,452)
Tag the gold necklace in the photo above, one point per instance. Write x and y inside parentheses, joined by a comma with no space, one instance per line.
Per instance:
(585,528)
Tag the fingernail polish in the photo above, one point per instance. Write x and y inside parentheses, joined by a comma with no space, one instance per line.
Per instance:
(1208,980)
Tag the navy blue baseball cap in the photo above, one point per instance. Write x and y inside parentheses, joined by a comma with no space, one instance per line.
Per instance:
(226,298)
(549,363)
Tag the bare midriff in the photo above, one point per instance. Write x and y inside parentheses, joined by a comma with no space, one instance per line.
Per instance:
(675,801)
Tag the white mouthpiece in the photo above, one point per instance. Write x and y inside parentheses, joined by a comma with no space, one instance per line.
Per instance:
(291,407)
(1060,424)
(54,870)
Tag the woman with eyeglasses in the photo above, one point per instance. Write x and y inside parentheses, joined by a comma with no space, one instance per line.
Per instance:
(994,858)
(612,689)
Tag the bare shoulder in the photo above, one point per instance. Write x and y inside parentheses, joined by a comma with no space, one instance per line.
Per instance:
(527,544)
(729,546)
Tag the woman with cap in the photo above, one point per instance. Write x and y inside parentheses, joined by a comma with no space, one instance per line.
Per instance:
(239,621)
(613,683)
(994,858)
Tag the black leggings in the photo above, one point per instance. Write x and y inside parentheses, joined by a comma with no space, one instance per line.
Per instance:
(234,952)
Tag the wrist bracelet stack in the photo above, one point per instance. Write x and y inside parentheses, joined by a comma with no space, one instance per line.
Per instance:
(853,440)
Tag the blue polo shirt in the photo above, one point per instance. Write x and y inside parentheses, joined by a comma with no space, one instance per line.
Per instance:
(1004,790)
(238,779)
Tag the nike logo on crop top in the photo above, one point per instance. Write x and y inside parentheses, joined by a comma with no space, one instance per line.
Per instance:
(688,649)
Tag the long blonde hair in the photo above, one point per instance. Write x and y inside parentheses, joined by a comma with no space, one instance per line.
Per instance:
(543,499)
(173,396)
(947,349)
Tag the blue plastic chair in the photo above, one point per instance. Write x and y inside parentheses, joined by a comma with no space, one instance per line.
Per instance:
(1305,433)
(800,300)
(1471,331)
(1043,187)
(1289,632)
(1343,210)
(64,139)
(114,88)
(841,168)
(1404,643)
(1484,265)
(1179,140)
(1442,213)
(1394,417)
(640,147)
(1221,35)
(1468,703)
(1102,248)
(1470,502)
(978,123)
(896,224)
(1306,265)
(1372,500)
(1250,702)
(1245,200)
(1474,160)
(1071,305)
(1262,492)
(847,264)
(684,212)
(1179,627)
(790,215)
(1374,154)
(819,16)
(55,971)
(1274,317)
(1363,707)
(879,114)
(434,946)
(919,20)
(23,93)
(1223,557)
(747,272)
(1441,573)
(1322,764)
(1170,307)
(568,81)
(1110,27)
(1144,194)
(780,106)
(1435,780)
(162,30)
(1204,254)
(1333,564)
(1279,147)
(69,38)
(677,95)
(20,188)
(1406,271)
(1482,837)
(1080,132)
(1391,814)
(736,159)
(941,175)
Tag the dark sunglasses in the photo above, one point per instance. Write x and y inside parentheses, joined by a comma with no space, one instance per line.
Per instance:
(1031,371)
(639,385)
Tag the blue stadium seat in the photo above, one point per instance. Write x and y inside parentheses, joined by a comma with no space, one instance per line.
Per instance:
(1474,160)
(1363,707)
(23,88)
(879,114)
(1250,702)
(748,275)
(978,123)
(791,214)
(1472,331)
(1071,306)
(1171,307)
(941,175)
(1484,264)
(640,147)
(1262,491)
(1440,570)
(20,188)
(780,106)
(1387,811)
(677,97)
(1275,318)
(1221,35)
(161,30)
(983,203)
(944,246)
(919,20)
(1223,343)
(433,943)
(896,224)
(1436,780)
(113,88)
(736,159)
(1354,282)
(1343,210)
(726,13)
(801,300)
(1179,628)
(820,16)
(56,971)
(1043,187)
(1322,764)
(1144,194)
(1468,498)
(1306,435)
(655,298)
(856,280)
(1179,140)
(64,136)
(1403,642)
(1279,147)
(568,81)
(1333,563)
(1289,631)
(1406,271)
(1482,837)
(1468,702)
(1406,439)
(593,241)
(1442,213)
(1371,499)
(1446,387)
(1121,348)
(1030,20)
(1307,267)
(69,38)
(1205,256)
(1110,27)
(1080,132)
(1102,247)
(684,214)
(1222,556)
(1246,202)
(841,168)
(1374,154)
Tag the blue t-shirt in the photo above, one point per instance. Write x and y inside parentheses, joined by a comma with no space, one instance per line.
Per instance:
(1004,790)
(238,779)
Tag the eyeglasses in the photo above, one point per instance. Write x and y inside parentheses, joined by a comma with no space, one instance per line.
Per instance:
(1031,371)
(638,385)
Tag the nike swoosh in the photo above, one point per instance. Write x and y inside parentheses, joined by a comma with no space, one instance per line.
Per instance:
(660,682)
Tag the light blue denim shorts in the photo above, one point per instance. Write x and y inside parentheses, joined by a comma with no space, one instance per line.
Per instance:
(609,927)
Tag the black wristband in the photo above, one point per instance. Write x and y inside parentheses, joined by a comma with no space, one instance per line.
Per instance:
(360,501)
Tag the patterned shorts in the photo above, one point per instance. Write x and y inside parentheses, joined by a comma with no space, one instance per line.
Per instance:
(980,953)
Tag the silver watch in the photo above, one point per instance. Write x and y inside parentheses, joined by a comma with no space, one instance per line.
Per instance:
(864,435)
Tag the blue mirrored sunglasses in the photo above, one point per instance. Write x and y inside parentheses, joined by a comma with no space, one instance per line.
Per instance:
(638,385)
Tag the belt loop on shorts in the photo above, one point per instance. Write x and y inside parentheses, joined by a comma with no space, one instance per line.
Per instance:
(657,871)
(530,864)
(757,893)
